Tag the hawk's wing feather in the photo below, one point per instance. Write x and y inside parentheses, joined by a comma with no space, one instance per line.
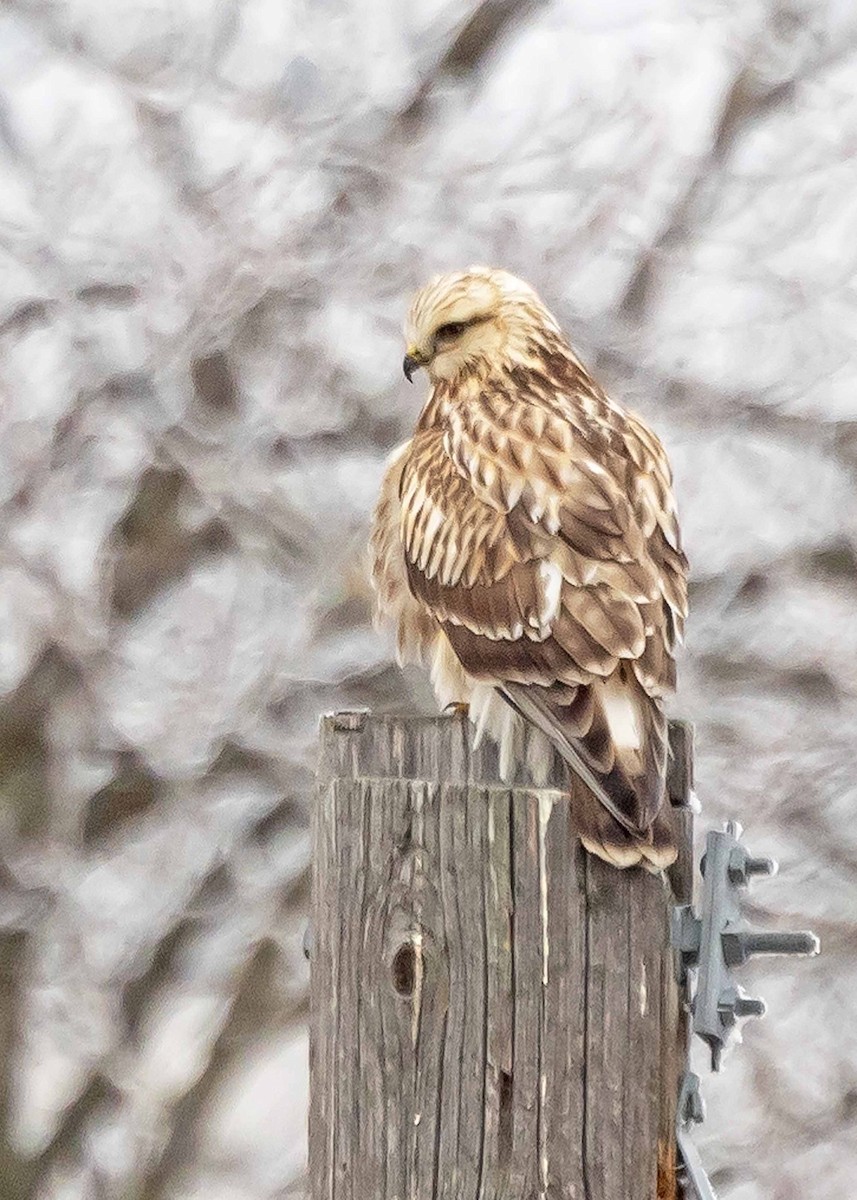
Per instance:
(547,548)
(579,730)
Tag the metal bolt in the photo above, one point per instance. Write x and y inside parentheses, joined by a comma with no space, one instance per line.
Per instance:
(739,945)
(732,1005)
(742,866)
(749,1006)
(761,866)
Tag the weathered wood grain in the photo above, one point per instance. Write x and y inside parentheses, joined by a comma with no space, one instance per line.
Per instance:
(494,1013)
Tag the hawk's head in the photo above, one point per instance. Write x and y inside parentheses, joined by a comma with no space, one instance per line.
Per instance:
(478,317)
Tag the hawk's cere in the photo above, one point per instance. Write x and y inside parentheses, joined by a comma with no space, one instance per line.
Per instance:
(525,542)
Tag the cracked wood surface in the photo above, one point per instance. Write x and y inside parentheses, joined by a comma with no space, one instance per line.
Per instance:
(494,1015)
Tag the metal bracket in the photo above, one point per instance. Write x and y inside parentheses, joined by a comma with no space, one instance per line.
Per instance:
(711,944)
(719,939)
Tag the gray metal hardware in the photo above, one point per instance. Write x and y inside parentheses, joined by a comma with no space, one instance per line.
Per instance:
(711,944)
(691,1111)
(719,939)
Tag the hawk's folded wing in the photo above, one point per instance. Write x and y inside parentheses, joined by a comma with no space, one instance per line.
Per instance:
(547,548)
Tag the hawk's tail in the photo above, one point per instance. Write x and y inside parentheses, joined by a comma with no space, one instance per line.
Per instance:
(602,835)
(613,736)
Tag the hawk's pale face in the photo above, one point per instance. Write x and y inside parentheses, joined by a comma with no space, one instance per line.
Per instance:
(472,318)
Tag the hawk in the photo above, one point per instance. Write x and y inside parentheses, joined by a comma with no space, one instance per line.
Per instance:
(525,543)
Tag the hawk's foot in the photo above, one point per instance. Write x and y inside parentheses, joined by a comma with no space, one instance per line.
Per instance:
(457,708)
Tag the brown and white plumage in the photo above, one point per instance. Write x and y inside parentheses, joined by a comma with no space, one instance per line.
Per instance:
(526,545)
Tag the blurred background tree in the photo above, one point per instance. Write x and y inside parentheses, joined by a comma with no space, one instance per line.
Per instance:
(212,215)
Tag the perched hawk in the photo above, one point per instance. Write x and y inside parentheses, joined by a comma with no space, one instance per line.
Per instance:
(525,543)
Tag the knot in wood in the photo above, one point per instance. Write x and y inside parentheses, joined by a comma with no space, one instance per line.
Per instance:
(403,968)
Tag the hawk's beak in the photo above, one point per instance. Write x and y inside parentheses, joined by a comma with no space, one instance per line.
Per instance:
(411,364)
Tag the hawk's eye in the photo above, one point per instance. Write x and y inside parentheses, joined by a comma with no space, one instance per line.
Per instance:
(446,333)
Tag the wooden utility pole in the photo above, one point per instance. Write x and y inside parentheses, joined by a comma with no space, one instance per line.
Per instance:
(494,1012)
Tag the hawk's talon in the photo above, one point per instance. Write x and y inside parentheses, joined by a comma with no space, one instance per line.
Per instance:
(457,708)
